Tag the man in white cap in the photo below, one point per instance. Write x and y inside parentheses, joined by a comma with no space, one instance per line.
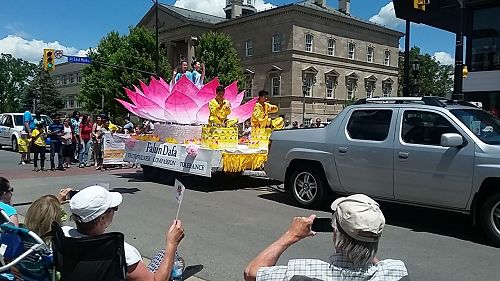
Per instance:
(357,226)
(93,209)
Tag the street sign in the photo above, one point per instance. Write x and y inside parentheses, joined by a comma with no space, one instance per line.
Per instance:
(74,59)
(58,54)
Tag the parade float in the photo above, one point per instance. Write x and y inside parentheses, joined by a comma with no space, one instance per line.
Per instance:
(191,133)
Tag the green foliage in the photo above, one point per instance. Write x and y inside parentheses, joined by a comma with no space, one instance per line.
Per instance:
(43,93)
(14,79)
(135,50)
(216,51)
(434,79)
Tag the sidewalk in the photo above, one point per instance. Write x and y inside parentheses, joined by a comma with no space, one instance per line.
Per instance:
(145,260)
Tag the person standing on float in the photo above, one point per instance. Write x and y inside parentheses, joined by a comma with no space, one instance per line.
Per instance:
(260,116)
(177,74)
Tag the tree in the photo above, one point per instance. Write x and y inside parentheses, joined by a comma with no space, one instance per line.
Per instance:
(14,78)
(216,51)
(434,79)
(42,93)
(102,84)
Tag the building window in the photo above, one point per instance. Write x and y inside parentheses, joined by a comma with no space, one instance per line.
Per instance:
(71,101)
(58,80)
(387,57)
(485,39)
(370,54)
(386,89)
(307,122)
(275,85)
(276,43)
(248,86)
(308,83)
(72,78)
(331,84)
(77,103)
(309,42)
(249,2)
(331,47)
(370,89)
(65,79)
(351,47)
(351,88)
(78,77)
(248,48)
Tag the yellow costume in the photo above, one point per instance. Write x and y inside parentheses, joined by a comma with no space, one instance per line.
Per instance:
(261,119)
(219,113)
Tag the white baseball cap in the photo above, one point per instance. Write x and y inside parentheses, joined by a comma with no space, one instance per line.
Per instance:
(360,217)
(91,202)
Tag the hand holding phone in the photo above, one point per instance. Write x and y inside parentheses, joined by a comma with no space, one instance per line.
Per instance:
(72,193)
(322,225)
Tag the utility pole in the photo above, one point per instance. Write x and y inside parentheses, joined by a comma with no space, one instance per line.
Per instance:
(157,60)
(406,67)
(459,55)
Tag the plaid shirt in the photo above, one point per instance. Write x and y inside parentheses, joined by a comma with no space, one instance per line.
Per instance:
(339,268)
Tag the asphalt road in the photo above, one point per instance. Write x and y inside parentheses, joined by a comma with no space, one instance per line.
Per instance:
(228,220)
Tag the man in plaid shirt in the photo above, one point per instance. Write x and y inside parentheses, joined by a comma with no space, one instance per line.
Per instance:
(357,226)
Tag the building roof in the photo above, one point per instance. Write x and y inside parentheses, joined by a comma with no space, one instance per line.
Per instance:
(194,15)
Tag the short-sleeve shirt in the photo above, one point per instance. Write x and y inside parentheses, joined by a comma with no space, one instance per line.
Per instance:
(37,138)
(27,117)
(8,209)
(86,131)
(132,255)
(75,125)
(196,78)
(54,128)
(339,268)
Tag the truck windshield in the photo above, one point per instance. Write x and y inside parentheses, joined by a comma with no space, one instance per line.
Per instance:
(484,125)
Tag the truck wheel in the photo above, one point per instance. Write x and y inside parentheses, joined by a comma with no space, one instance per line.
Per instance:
(307,187)
(490,218)
(14,144)
(151,173)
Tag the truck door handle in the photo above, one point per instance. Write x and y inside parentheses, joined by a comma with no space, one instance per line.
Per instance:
(342,149)
(403,155)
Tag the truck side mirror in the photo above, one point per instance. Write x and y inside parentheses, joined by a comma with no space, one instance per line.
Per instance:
(451,140)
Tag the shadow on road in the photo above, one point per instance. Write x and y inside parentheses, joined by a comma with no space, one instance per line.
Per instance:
(192,270)
(417,219)
(125,190)
(218,182)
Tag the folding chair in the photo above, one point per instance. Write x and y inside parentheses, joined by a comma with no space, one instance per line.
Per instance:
(93,258)
(25,255)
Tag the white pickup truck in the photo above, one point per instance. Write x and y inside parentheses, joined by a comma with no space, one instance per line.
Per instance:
(420,151)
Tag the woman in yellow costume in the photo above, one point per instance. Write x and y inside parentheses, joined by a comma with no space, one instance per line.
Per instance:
(220,110)
(261,111)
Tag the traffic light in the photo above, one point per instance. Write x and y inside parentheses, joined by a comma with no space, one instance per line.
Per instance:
(49,62)
(420,4)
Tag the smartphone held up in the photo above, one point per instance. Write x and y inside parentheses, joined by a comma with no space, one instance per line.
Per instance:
(322,225)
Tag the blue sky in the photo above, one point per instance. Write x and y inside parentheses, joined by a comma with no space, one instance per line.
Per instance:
(27,26)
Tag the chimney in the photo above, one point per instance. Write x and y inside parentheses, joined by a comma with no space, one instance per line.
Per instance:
(321,3)
(345,6)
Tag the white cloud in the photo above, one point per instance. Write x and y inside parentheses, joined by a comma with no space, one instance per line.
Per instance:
(215,7)
(32,50)
(387,17)
(444,58)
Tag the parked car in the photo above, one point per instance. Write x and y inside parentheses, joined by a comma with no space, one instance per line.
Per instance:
(11,125)
(419,151)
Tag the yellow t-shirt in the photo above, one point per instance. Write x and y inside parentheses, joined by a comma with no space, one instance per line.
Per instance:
(37,137)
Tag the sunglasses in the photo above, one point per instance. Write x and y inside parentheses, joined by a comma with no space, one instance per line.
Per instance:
(10,190)
(114,209)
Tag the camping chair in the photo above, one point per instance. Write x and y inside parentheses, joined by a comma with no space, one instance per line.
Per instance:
(93,258)
(25,255)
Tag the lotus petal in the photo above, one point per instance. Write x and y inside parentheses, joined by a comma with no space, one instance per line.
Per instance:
(165,84)
(157,92)
(144,87)
(239,99)
(231,93)
(182,107)
(131,95)
(138,91)
(203,114)
(207,92)
(244,111)
(186,86)
(133,109)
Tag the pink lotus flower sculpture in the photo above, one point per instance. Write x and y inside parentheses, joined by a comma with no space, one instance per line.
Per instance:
(183,103)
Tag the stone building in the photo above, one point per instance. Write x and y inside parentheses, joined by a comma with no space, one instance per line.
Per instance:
(304,51)
(67,78)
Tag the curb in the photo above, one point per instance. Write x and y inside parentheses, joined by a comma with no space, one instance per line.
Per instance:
(144,259)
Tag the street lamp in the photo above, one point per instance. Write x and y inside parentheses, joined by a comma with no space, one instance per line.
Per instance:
(415,67)
(304,92)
